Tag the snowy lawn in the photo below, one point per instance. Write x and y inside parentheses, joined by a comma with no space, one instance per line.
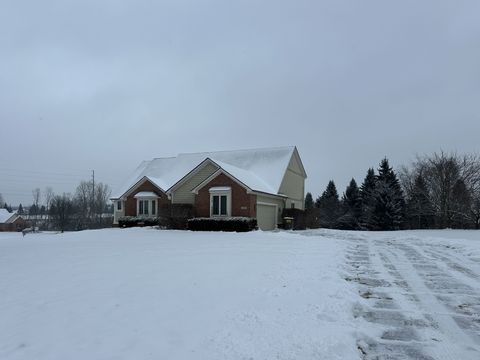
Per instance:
(149,294)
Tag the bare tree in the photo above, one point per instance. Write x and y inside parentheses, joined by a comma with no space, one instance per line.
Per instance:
(89,210)
(102,194)
(48,196)
(83,201)
(36,201)
(475,211)
(452,184)
(471,177)
(62,211)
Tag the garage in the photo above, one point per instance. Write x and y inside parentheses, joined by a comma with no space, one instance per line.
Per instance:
(266,216)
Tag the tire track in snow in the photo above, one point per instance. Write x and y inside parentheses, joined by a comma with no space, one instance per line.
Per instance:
(376,277)
(454,340)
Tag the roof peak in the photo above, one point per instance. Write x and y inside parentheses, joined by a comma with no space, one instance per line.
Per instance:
(238,150)
(224,151)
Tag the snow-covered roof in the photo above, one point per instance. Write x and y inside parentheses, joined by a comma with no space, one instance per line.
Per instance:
(145,194)
(5,215)
(220,188)
(259,169)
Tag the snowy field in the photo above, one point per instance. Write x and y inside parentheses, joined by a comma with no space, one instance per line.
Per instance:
(149,294)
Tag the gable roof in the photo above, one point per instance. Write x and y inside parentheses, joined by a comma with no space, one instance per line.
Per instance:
(260,169)
(5,215)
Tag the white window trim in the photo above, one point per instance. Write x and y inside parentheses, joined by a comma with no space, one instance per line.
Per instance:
(221,191)
(148,200)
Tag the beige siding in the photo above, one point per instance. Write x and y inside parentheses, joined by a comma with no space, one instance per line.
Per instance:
(272,200)
(293,184)
(183,194)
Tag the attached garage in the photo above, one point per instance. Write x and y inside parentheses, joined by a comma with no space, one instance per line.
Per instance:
(266,216)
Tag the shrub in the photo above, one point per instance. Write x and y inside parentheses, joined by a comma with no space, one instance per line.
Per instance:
(238,224)
(175,216)
(299,219)
(131,221)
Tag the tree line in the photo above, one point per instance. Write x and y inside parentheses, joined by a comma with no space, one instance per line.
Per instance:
(435,191)
(84,209)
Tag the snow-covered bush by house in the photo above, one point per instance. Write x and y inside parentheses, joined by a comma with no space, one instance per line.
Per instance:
(130,221)
(238,224)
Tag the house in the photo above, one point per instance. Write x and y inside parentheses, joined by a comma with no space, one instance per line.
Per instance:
(11,221)
(257,183)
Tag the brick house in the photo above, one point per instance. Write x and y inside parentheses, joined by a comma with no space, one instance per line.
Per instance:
(257,183)
(11,221)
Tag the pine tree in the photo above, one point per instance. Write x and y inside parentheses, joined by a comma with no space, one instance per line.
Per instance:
(308,201)
(419,207)
(20,209)
(388,203)
(351,207)
(329,206)
(367,190)
(33,210)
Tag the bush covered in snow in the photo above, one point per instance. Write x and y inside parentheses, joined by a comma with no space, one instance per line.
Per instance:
(238,224)
(131,221)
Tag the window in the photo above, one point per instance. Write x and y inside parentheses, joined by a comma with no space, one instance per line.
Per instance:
(119,205)
(219,206)
(142,207)
(220,201)
(215,206)
(223,205)
(292,205)
(146,203)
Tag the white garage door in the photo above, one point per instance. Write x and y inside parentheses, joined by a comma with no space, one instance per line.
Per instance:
(266,216)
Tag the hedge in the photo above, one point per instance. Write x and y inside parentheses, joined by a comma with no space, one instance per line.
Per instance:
(131,221)
(238,224)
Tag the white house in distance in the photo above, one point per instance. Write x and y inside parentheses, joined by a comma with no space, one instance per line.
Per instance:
(256,183)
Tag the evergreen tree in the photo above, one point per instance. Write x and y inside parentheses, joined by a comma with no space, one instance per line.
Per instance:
(419,207)
(461,205)
(388,208)
(308,201)
(20,209)
(33,210)
(329,206)
(367,190)
(351,207)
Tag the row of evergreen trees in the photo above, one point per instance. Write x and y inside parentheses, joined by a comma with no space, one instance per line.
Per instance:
(436,191)
(378,204)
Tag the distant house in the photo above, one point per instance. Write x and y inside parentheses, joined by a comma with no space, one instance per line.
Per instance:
(11,221)
(257,183)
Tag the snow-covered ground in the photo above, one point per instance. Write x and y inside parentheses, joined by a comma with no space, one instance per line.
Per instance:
(150,294)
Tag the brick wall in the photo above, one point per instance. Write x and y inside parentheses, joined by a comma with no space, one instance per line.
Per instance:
(18,225)
(243,204)
(131,202)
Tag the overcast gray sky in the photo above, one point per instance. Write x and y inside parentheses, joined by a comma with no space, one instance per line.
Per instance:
(105,84)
